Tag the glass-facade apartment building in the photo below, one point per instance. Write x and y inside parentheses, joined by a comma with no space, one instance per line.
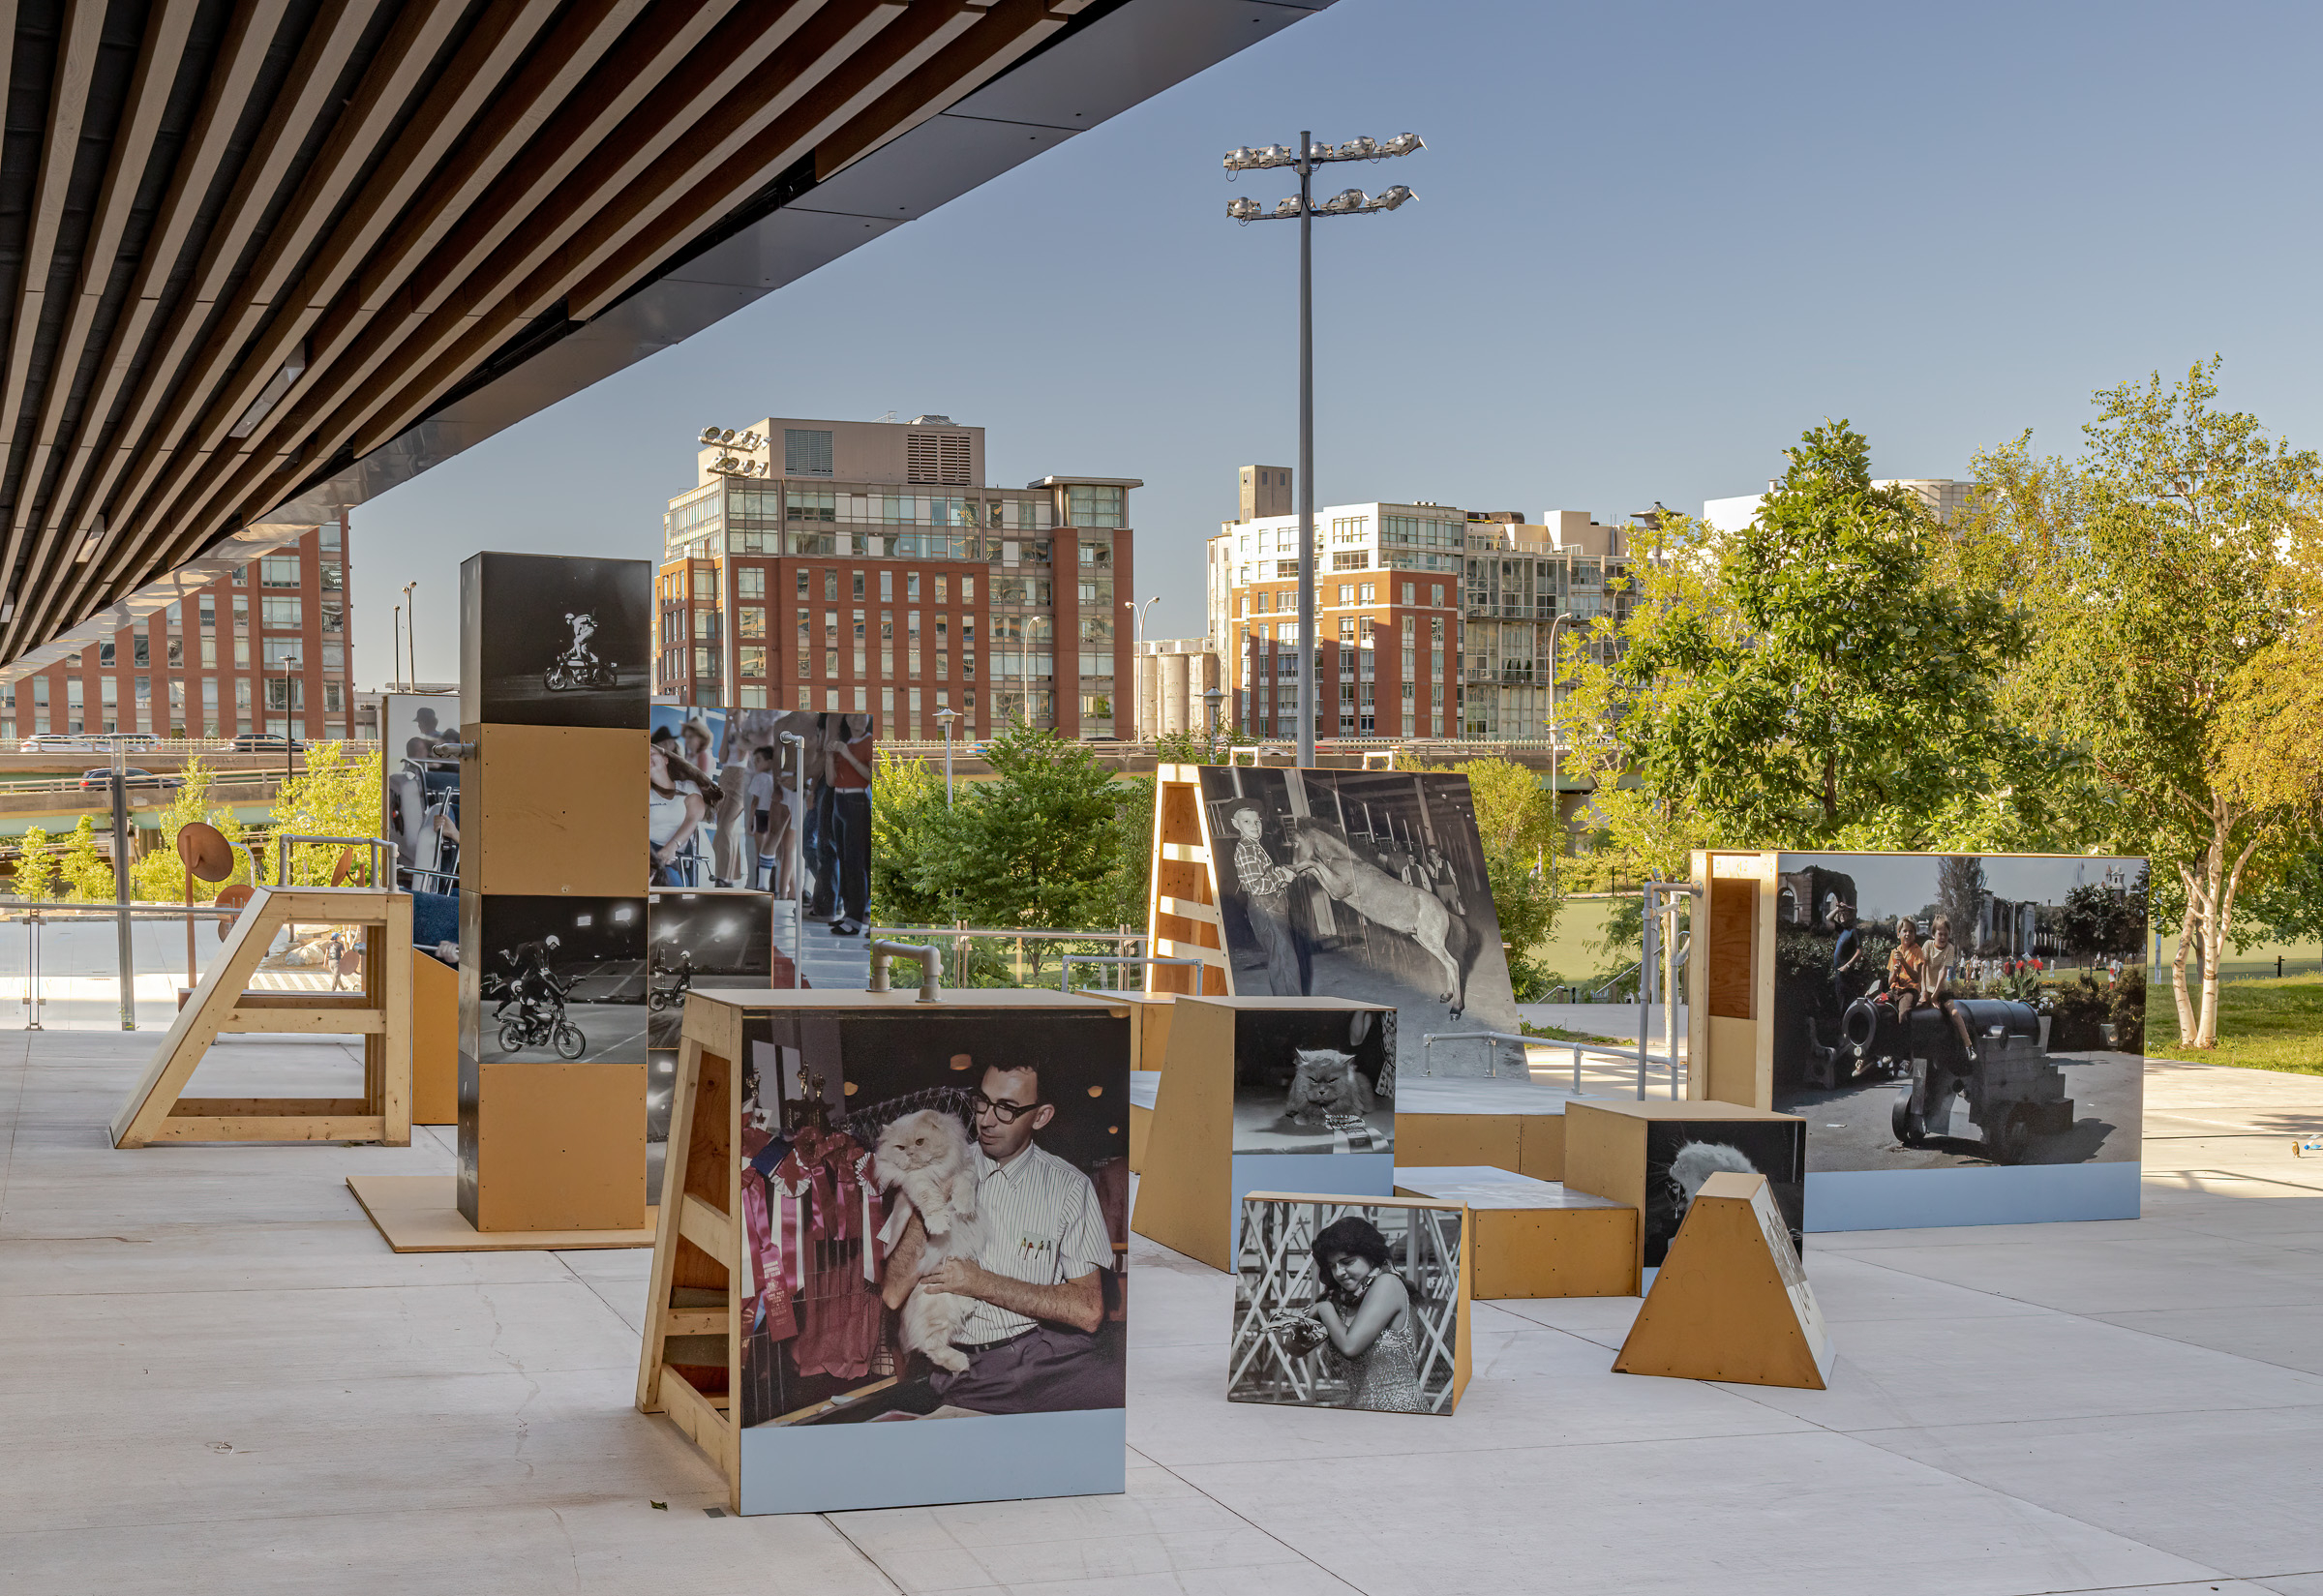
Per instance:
(868,567)
(1429,622)
(264,650)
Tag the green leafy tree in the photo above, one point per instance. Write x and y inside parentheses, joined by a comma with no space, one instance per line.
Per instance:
(160,876)
(907,832)
(36,866)
(1809,681)
(2158,570)
(1191,748)
(84,874)
(1517,823)
(1039,846)
(332,796)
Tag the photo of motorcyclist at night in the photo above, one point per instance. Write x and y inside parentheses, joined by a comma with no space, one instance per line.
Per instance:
(531,989)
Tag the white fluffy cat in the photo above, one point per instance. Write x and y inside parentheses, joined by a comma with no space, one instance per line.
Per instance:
(924,1158)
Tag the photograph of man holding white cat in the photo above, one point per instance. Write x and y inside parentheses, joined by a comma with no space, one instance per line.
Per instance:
(952,1243)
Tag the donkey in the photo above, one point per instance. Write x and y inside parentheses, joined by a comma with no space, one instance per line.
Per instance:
(1382,899)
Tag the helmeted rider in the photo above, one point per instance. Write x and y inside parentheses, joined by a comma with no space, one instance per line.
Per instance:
(534,978)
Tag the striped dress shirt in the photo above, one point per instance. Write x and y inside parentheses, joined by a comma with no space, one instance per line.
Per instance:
(1042,1225)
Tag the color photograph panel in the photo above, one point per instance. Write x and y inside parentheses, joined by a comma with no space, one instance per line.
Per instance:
(1961,1010)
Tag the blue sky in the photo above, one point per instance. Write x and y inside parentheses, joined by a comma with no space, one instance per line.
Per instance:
(1652,245)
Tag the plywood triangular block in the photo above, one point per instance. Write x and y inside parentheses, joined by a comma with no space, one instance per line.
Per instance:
(1731,1301)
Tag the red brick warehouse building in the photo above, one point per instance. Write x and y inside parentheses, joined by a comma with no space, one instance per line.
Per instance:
(866,568)
(254,641)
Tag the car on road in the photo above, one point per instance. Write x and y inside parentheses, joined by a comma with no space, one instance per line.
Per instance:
(61,742)
(135,777)
(267,743)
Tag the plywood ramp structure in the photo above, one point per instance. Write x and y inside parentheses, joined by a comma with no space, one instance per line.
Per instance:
(1183,917)
(1731,1301)
(1186,1181)
(222,1004)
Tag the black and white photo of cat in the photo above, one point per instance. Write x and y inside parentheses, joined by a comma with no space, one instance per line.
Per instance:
(1315,1080)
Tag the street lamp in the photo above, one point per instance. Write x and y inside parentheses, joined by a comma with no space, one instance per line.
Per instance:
(411,633)
(944,718)
(1303,209)
(1137,656)
(1214,698)
(1556,793)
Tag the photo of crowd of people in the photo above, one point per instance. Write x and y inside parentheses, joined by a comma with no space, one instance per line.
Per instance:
(1346,1305)
(726,808)
(1943,1010)
(936,1211)
(1365,885)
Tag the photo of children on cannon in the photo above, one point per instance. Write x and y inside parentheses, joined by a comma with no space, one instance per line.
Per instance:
(563,641)
(1365,885)
(423,789)
(936,1216)
(726,808)
(1943,1010)
(1315,1081)
(1346,1305)
(560,978)
(717,939)
(1681,1154)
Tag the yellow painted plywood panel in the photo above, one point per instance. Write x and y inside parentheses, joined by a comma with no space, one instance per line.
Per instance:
(560,1146)
(435,1041)
(557,809)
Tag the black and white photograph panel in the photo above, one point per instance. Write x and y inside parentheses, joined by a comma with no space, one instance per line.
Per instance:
(1682,1153)
(1346,1305)
(1961,1010)
(561,978)
(936,1208)
(1315,1080)
(757,829)
(422,799)
(555,639)
(1366,885)
(708,939)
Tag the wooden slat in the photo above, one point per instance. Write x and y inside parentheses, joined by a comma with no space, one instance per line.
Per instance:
(1165,948)
(167,29)
(68,106)
(265,1107)
(250,34)
(337,1021)
(1189,908)
(705,1226)
(694,1413)
(1181,853)
(694,1321)
(270,1128)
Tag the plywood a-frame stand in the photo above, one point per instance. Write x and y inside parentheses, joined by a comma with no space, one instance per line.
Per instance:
(381,1013)
(1731,1301)
(1183,918)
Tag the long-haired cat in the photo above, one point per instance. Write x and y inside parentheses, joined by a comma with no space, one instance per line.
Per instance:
(1326,1081)
(923,1158)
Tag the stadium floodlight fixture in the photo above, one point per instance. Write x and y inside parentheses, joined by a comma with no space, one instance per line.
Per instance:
(1302,208)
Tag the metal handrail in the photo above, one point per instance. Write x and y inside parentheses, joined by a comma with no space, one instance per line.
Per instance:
(1065,970)
(285,841)
(884,952)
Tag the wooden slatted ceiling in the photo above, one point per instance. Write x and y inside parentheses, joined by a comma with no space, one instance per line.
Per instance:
(430,179)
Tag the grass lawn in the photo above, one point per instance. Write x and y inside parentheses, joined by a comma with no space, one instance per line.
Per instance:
(2262,1025)
(1558,1032)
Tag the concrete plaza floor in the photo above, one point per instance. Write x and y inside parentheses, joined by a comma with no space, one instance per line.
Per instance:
(214,1377)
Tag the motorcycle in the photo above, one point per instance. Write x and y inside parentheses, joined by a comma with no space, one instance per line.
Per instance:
(540,1022)
(578,669)
(662,997)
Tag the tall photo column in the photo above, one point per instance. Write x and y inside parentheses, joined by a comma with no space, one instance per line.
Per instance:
(554,660)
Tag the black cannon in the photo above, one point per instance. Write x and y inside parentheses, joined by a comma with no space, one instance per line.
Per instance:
(2014,1092)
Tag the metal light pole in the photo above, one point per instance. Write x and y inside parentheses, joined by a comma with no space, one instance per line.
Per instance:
(944,718)
(288,741)
(1346,203)
(395,672)
(1137,655)
(1556,793)
(411,634)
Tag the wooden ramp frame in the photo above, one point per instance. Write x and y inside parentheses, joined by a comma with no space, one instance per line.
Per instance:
(689,1365)
(1731,1301)
(1183,920)
(381,1013)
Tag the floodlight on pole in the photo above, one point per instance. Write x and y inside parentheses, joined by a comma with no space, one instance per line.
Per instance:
(1303,209)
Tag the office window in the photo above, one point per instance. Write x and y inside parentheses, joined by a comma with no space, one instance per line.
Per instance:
(706,587)
(281,648)
(241,695)
(334,700)
(750,621)
(209,653)
(1436,593)
(241,613)
(1370,592)
(886,587)
(141,649)
(706,625)
(942,584)
(910,587)
(278,571)
(858,586)
(1093,506)
(967,589)
(1408,590)
(802,593)
(1346,592)
(279,613)
(750,582)
(241,653)
(754,659)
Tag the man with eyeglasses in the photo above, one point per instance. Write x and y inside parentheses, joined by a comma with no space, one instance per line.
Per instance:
(1032,1343)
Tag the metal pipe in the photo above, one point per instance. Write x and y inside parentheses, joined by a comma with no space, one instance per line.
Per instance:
(930,970)
(1491,1052)
(1308,686)
(797,859)
(1065,970)
(119,782)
